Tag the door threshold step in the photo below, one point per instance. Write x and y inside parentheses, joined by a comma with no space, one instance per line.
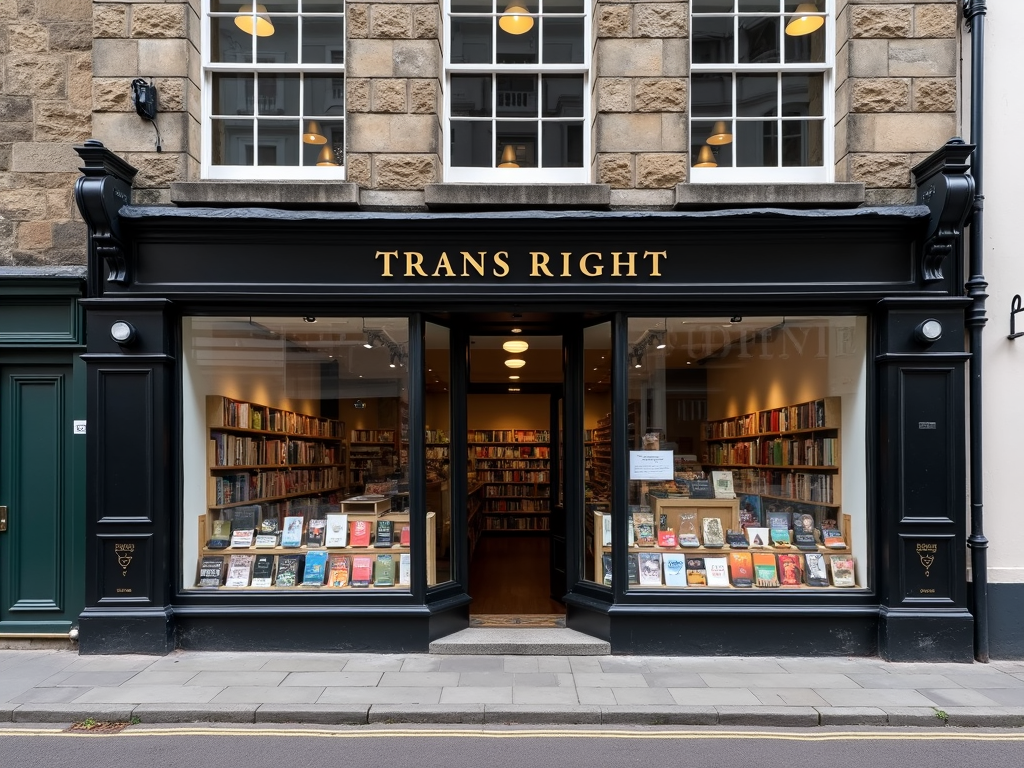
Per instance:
(520,641)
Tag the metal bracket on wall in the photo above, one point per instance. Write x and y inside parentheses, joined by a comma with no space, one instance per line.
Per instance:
(1015,307)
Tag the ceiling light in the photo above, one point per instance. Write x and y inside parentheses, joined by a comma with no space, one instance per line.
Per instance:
(517,330)
(720,134)
(309,319)
(262,26)
(508,157)
(326,157)
(513,377)
(804,25)
(314,133)
(515,347)
(368,345)
(706,158)
(514,21)
(515,362)
(661,346)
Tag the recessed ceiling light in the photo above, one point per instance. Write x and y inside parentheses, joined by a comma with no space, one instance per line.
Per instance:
(513,377)
(661,346)
(515,346)
(515,362)
(517,330)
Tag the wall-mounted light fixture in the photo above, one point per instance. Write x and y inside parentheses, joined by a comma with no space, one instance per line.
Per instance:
(928,331)
(1015,307)
(122,332)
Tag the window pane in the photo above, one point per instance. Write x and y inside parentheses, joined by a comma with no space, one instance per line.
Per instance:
(472,6)
(757,144)
(757,95)
(757,6)
(281,6)
(563,41)
(563,96)
(712,40)
(228,43)
(712,6)
(517,96)
(323,6)
(438,458)
(721,132)
(471,144)
(520,48)
(758,40)
(278,142)
(711,95)
(563,145)
(803,94)
(597,452)
(324,153)
(803,143)
(281,47)
(806,48)
(323,95)
(233,94)
(277,94)
(563,6)
(323,40)
(232,142)
(523,138)
(471,41)
(471,95)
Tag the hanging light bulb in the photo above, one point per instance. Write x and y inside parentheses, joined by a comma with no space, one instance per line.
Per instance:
(515,347)
(720,134)
(314,133)
(804,25)
(706,158)
(258,25)
(326,157)
(508,157)
(514,21)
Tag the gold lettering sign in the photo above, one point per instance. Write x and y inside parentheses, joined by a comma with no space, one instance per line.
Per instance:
(926,553)
(124,558)
(541,264)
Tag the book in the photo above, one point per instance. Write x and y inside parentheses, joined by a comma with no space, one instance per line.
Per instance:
(643,523)
(404,569)
(291,536)
(606,530)
(803,532)
(718,571)
(736,539)
(667,539)
(404,536)
(336,532)
(270,526)
(674,566)
(359,536)
(265,540)
(700,489)
(741,569)
(211,571)
(696,573)
(722,481)
(315,531)
(362,570)
(778,529)
(688,530)
(337,571)
(789,571)
(220,534)
(831,536)
(384,571)
(241,539)
(239,570)
(633,568)
(650,569)
(842,570)
(758,537)
(385,535)
(817,573)
(606,570)
(245,517)
(714,537)
(766,573)
(289,569)
(315,569)
(750,510)
(263,571)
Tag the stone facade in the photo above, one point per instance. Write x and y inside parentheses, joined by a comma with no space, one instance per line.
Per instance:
(68,67)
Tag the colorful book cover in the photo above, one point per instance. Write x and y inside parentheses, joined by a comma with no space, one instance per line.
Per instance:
(741,569)
(337,571)
(842,571)
(289,568)
(722,480)
(688,530)
(667,539)
(360,534)
(766,572)
(239,570)
(643,522)
(266,540)
(696,573)
(817,572)
(790,574)
(220,535)
(315,532)
(384,571)
(291,536)
(717,570)
(241,539)
(362,570)
(736,539)
(714,536)
(315,569)
(778,526)
(803,532)
(650,569)
(674,565)
(758,537)
(404,537)
(336,533)
(832,537)
(750,510)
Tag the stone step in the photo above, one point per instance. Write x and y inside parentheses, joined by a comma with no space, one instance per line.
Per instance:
(520,641)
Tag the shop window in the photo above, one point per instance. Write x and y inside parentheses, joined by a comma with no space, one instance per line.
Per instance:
(296,456)
(517,96)
(274,90)
(746,460)
(760,90)
(597,454)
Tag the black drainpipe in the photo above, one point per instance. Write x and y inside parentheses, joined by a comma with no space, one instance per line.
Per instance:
(974,16)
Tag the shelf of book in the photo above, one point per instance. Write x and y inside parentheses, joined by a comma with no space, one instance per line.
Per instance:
(513,471)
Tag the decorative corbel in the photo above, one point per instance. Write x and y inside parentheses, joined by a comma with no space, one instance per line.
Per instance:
(104,187)
(945,185)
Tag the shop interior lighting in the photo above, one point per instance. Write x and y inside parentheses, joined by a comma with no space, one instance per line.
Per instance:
(258,25)
(802,24)
(515,347)
(515,21)
(326,157)
(515,362)
(706,158)
(508,155)
(720,134)
(314,133)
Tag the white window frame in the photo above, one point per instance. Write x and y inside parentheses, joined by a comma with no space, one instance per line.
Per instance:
(495,175)
(783,174)
(255,171)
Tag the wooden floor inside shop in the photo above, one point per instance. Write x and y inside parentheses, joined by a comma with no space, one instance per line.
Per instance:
(509,581)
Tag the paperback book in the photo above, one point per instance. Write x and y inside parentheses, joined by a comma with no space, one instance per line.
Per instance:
(722,480)
(337,572)
(211,571)
(291,536)
(741,569)
(289,570)
(270,526)
(239,570)
(385,535)
(315,569)
(696,573)
(803,532)
(360,535)
(831,536)
(714,536)
(241,539)
(674,565)
(633,568)
(736,539)
(266,541)
(650,569)
(700,489)
(315,532)
(245,517)
(606,530)
(758,537)
(842,571)
(362,570)
(337,531)
(817,573)
(643,521)
(404,536)
(404,569)
(688,530)
(766,572)
(750,510)
(789,571)
(778,525)
(384,571)
(667,539)
(220,534)
(606,570)
(718,571)
(263,571)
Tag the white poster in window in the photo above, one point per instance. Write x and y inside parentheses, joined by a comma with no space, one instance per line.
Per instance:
(650,465)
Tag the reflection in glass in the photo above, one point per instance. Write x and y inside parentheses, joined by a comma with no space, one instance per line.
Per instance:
(757,95)
(279,142)
(471,144)
(712,6)
(233,94)
(597,454)
(471,40)
(232,142)
(757,144)
(564,6)
(472,6)
(517,96)
(712,40)
(518,49)
(758,40)
(563,41)
(758,6)
(323,95)
(323,40)
(711,94)
(700,132)
(803,143)
(470,95)
(523,137)
(803,94)
(563,145)
(333,132)
(437,407)
(563,96)
(283,46)
(228,43)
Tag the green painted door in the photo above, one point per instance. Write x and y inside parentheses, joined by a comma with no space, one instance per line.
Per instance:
(41,567)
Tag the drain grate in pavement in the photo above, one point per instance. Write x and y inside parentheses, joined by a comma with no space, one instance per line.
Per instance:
(98,726)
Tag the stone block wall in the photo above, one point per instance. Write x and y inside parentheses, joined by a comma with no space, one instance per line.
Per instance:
(897,91)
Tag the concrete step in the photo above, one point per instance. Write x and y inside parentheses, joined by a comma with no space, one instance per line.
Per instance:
(520,641)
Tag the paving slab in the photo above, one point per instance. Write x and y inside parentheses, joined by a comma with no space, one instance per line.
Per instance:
(48,695)
(1007,697)
(477,695)
(598,696)
(490,679)
(898,680)
(958,697)
(7,713)
(192,713)
(150,694)
(535,679)
(994,679)
(223,679)
(241,694)
(789,697)
(417,679)
(321,662)
(333,679)
(767,717)
(542,715)
(561,696)
(674,680)
(713,696)
(612,680)
(852,716)
(658,715)
(421,664)
(874,697)
(374,664)
(155,677)
(393,695)
(643,696)
(314,714)
(774,681)
(427,713)
(476,663)
(72,713)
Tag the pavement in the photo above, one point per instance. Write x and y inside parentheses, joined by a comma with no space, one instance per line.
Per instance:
(59,686)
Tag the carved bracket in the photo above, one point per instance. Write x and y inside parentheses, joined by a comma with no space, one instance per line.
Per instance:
(945,185)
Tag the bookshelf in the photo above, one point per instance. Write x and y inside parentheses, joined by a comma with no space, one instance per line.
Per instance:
(513,470)
(373,453)
(598,449)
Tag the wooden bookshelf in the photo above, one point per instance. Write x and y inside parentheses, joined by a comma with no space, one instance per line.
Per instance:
(513,471)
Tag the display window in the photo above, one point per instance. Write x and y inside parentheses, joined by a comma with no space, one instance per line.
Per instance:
(296,455)
(746,454)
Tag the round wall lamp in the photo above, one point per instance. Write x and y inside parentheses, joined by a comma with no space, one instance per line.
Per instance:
(928,331)
(122,332)
(515,347)
(515,362)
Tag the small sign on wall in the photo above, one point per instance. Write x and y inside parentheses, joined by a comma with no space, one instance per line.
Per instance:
(650,465)
(79,428)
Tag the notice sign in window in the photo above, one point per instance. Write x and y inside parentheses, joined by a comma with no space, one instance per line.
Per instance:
(650,465)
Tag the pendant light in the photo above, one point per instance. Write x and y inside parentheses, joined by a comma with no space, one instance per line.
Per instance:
(259,25)
(706,158)
(508,157)
(515,363)
(326,157)
(516,346)
(720,134)
(514,21)
(802,24)
(314,133)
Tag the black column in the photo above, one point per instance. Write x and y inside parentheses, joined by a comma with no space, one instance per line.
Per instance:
(921,480)
(131,493)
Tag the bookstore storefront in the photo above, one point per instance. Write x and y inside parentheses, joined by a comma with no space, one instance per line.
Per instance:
(734,432)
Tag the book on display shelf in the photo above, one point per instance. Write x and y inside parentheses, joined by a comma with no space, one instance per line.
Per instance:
(667,539)
(291,536)
(220,534)
(360,534)
(736,539)
(758,537)
(741,569)
(263,571)
(265,541)
(242,539)
(717,570)
(674,565)
(696,573)
(750,510)
(336,532)
(842,570)
(385,535)
(606,530)
(831,536)
(239,570)
(289,570)
(633,568)
(606,570)
(315,568)
(700,489)
(315,532)
(714,536)
(643,521)
(803,532)
(404,569)
(723,483)
(245,517)
(790,573)
(778,529)
(269,526)
(817,571)
(405,536)
(384,571)
(337,571)
(688,530)
(362,570)
(766,573)
(211,571)
(650,569)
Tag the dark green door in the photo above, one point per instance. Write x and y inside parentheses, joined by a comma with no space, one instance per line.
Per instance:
(41,574)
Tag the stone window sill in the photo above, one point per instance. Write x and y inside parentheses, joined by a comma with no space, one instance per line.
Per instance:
(266,194)
(490,197)
(706,196)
